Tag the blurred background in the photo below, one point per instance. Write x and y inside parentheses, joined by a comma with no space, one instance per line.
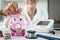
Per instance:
(52,7)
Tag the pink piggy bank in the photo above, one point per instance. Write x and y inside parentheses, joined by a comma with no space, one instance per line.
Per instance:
(17,21)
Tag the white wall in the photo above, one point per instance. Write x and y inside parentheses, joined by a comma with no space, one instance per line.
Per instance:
(0,4)
(54,9)
(42,3)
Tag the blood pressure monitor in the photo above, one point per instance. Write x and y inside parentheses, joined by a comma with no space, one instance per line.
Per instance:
(42,26)
(45,26)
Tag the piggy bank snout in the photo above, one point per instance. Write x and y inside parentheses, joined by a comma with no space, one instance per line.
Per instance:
(17,25)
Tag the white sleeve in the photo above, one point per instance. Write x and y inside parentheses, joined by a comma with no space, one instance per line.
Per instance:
(45,15)
(6,22)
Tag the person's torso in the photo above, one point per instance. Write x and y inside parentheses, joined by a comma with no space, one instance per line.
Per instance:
(37,17)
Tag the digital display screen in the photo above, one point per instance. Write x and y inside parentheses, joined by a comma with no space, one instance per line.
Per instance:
(43,23)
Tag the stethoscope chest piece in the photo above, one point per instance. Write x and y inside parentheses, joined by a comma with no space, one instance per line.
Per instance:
(31,34)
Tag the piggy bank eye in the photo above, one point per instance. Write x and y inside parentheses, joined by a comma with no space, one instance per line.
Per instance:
(14,19)
(20,19)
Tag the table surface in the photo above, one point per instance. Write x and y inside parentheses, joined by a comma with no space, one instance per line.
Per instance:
(47,34)
(57,35)
(23,38)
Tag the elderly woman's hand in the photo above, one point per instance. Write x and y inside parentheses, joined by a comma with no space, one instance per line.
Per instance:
(11,8)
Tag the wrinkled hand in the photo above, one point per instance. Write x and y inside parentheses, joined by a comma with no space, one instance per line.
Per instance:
(11,8)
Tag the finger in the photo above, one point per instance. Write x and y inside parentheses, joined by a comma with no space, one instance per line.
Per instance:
(12,9)
(6,13)
(7,7)
(9,12)
(15,5)
(19,10)
(5,10)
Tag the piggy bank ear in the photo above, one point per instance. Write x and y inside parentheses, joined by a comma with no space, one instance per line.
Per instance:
(11,21)
(7,21)
(24,20)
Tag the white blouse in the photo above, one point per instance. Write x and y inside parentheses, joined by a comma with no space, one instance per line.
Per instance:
(40,15)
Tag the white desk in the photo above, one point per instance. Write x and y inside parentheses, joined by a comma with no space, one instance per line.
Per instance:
(23,38)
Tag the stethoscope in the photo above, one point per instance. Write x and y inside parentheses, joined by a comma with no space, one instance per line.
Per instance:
(32,35)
